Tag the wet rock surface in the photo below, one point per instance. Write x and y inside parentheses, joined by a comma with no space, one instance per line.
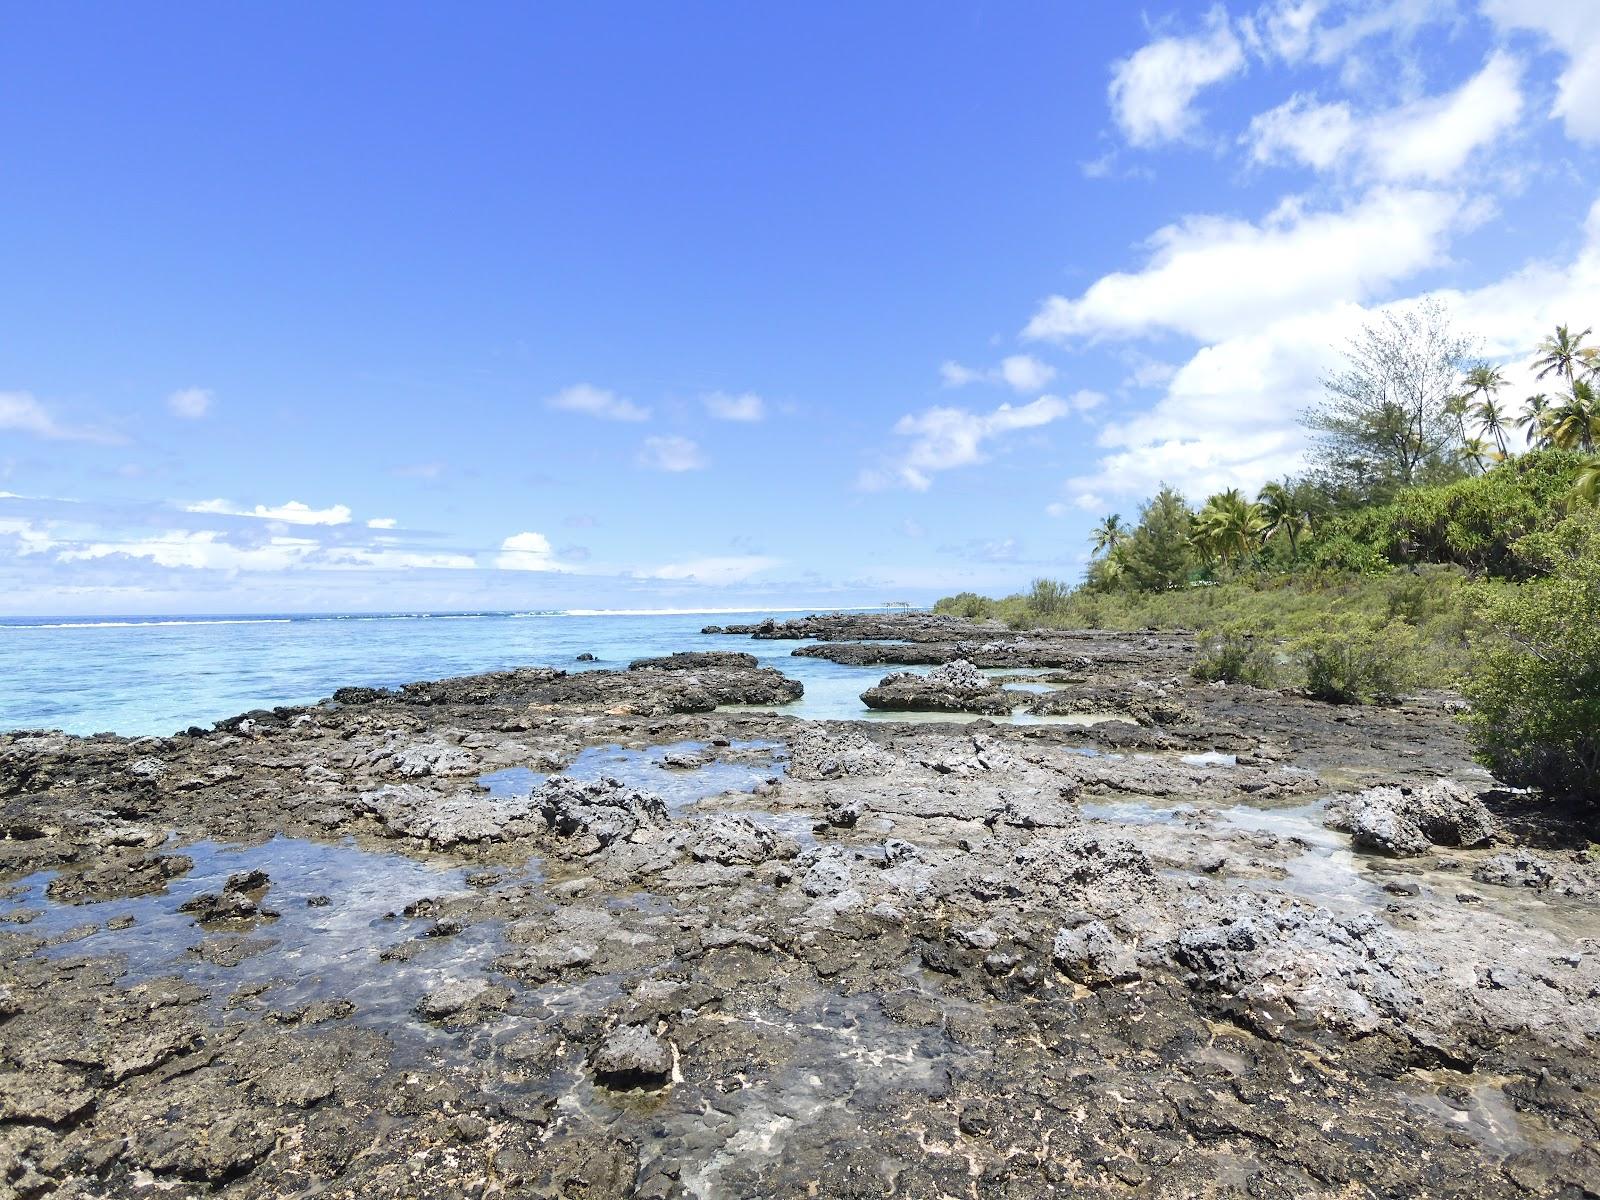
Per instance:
(957,686)
(551,935)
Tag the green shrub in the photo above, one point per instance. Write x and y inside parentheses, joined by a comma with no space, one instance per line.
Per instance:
(1535,679)
(1346,553)
(1047,597)
(1353,661)
(1423,594)
(1233,656)
(965,604)
(1476,523)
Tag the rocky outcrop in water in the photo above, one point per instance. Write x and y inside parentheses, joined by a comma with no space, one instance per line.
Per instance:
(836,627)
(597,812)
(1409,821)
(954,687)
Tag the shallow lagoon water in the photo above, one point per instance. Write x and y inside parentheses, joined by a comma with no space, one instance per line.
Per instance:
(153,676)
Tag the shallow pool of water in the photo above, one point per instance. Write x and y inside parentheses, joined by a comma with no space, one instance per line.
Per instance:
(748,764)
(316,950)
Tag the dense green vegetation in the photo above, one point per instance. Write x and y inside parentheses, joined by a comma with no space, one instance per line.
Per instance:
(1535,684)
(1423,548)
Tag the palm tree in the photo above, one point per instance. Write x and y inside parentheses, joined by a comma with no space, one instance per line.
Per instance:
(1229,526)
(1109,534)
(1475,451)
(1113,567)
(1483,380)
(1280,511)
(1535,412)
(1575,425)
(1481,383)
(1586,485)
(1560,352)
(1589,361)
(1457,407)
(1492,420)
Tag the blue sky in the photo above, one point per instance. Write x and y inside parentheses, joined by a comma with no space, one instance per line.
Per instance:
(625,306)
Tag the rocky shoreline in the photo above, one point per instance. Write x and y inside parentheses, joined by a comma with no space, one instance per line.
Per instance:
(1075,925)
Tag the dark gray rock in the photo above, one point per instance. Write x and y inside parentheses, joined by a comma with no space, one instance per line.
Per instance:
(736,841)
(598,811)
(954,687)
(632,1056)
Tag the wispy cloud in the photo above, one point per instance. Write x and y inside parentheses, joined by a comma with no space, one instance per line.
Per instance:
(292,513)
(424,470)
(724,570)
(597,402)
(1570,27)
(672,453)
(190,403)
(1022,373)
(990,550)
(1431,139)
(746,406)
(22,412)
(199,549)
(943,438)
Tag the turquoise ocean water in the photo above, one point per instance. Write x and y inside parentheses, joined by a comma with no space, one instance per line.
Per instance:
(157,675)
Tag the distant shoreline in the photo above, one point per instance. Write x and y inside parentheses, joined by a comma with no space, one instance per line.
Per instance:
(161,620)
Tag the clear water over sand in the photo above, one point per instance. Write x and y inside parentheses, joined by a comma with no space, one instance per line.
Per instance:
(156,676)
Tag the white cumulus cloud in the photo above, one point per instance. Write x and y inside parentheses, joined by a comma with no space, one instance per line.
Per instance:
(1301,129)
(1213,277)
(1153,90)
(31,538)
(1230,415)
(527,551)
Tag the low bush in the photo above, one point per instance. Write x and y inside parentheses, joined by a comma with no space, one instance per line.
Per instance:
(1354,661)
(1233,656)
(1535,679)
(1047,597)
(965,604)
